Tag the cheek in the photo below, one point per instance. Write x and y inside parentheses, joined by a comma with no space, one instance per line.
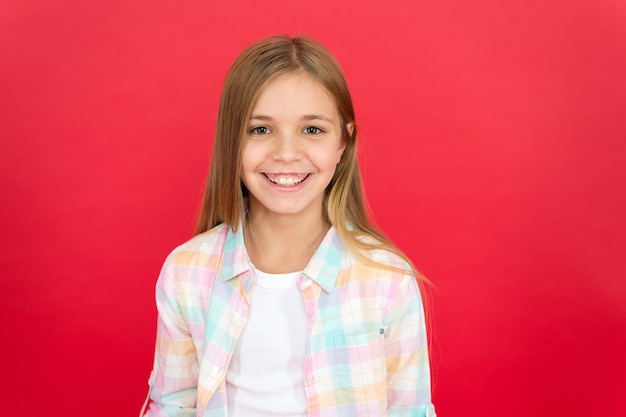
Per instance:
(248,159)
(329,158)
(247,169)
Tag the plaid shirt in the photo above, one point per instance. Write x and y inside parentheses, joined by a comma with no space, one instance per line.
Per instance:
(367,353)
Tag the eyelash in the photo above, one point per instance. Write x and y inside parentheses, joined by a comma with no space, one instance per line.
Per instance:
(256,130)
(318,131)
(264,130)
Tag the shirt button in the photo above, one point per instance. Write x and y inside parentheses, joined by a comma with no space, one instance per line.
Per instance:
(310,378)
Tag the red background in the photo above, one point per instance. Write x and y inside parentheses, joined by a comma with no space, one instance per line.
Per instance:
(493,148)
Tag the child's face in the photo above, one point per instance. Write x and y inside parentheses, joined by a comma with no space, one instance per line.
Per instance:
(292,148)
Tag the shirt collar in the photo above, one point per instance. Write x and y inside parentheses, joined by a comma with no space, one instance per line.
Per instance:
(323,267)
(235,259)
(326,262)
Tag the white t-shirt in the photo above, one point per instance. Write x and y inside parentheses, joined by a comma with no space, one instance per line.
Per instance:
(266,374)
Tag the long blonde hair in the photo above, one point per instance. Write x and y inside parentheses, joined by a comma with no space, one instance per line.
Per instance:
(345,207)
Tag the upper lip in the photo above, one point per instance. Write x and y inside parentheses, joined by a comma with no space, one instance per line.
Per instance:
(286,174)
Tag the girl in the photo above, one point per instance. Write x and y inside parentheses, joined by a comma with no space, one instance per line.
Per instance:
(288,302)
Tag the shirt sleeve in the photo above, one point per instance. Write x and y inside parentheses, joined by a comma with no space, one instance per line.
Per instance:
(406,353)
(174,379)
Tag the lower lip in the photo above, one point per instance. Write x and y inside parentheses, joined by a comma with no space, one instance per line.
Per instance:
(288,188)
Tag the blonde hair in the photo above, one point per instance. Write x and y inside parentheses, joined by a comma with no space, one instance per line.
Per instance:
(344,204)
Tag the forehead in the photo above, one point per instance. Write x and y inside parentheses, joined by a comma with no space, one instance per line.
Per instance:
(295,93)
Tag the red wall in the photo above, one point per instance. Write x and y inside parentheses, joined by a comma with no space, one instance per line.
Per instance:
(493,144)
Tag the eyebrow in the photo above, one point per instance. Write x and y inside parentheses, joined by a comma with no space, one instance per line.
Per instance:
(260,117)
(305,117)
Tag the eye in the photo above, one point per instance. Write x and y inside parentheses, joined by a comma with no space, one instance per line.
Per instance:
(313,130)
(259,130)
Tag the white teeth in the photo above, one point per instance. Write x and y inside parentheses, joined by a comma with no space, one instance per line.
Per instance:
(286,181)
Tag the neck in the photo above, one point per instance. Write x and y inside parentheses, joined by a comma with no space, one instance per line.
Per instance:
(282,244)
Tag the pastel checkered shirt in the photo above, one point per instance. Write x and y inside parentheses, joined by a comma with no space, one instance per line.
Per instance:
(367,352)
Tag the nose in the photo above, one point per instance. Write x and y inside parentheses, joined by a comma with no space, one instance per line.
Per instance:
(286,148)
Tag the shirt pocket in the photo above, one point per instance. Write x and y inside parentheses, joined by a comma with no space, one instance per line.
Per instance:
(359,360)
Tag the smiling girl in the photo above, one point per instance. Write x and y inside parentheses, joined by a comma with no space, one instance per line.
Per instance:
(288,302)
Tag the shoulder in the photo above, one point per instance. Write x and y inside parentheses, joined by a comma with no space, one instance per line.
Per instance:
(375,264)
(379,255)
(193,266)
(375,271)
(388,259)
(201,248)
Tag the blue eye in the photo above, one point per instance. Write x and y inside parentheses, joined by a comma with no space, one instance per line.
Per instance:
(312,130)
(259,130)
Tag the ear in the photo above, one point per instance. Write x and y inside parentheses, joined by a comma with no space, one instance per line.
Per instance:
(350,129)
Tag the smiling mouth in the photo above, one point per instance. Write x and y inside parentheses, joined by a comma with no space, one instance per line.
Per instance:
(286,180)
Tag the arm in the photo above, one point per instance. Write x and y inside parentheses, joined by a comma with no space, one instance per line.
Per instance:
(174,378)
(406,353)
